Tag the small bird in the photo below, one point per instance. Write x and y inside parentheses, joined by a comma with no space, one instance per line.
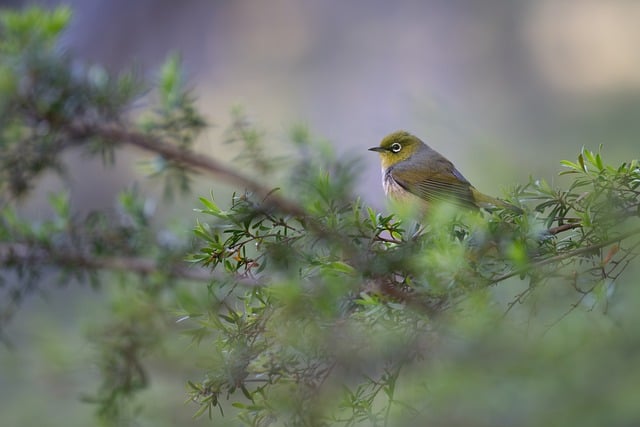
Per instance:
(412,168)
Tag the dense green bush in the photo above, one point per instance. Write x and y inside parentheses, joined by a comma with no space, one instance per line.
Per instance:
(319,310)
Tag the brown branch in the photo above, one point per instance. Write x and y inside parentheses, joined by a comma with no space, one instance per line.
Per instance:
(564,227)
(118,134)
(564,256)
(11,253)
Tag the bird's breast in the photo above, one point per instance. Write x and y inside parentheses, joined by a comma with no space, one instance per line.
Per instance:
(395,191)
(391,187)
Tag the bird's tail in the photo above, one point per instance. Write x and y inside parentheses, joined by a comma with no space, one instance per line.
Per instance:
(484,201)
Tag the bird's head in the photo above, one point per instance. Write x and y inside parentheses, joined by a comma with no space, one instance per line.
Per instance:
(397,147)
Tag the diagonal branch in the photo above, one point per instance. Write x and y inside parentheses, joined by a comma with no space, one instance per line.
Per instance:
(118,134)
(191,159)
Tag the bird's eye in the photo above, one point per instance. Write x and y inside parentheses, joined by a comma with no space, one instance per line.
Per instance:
(395,147)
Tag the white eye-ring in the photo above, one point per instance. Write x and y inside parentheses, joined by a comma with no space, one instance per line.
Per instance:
(395,147)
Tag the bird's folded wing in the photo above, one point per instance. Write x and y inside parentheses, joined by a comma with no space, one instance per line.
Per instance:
(449,186)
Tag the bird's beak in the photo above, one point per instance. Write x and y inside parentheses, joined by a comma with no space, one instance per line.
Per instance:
(378,149)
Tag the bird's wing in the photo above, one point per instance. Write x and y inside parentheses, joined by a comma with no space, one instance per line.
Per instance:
(444,183)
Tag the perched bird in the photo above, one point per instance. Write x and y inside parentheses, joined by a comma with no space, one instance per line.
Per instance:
(412,168)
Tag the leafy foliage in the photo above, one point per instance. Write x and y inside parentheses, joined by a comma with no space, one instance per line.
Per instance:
(352,303)
(320,311)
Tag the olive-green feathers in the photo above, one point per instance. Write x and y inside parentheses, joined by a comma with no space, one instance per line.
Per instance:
(411,166)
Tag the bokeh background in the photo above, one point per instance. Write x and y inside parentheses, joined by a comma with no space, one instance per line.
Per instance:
(505,89)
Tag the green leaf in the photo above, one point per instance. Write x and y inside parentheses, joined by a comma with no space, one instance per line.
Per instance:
(568,164)
(246,392)
(58,20)
(203,408)
(212,208)
(581,162)
(340,267)
(599,163)
(170,85)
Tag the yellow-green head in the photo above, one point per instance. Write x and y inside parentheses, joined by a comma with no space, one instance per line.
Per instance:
(397,147)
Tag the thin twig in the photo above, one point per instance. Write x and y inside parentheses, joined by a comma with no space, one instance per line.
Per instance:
(564,227)
(564,256)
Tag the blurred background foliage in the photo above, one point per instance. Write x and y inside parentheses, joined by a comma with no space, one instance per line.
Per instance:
(488,84)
